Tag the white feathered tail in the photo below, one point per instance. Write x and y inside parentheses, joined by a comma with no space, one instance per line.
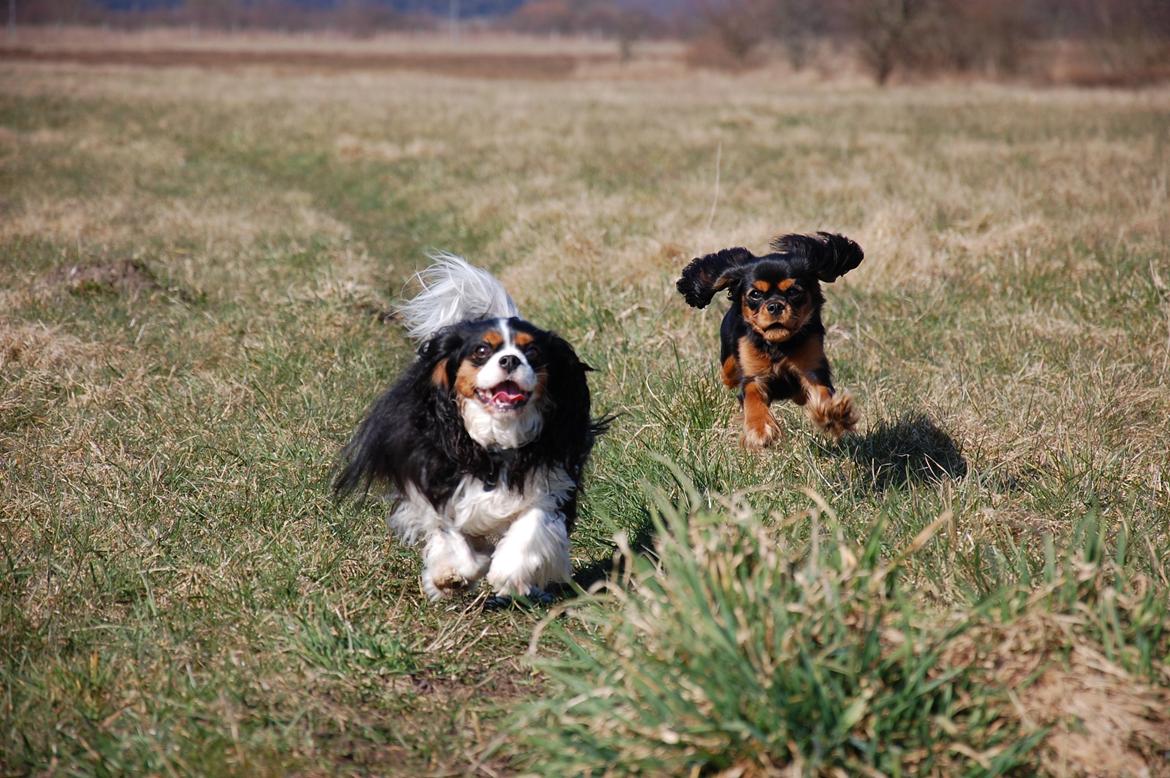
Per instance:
(453,291)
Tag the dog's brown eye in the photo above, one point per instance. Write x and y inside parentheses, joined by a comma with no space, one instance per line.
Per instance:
(755,294)
(482,352)
(533,353)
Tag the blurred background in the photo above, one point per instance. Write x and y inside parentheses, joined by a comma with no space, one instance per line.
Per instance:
(1075,42)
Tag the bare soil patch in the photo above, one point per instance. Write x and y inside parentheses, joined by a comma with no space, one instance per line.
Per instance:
(128,276)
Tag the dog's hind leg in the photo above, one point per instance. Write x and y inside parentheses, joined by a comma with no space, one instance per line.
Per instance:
(533,553)
(451,564)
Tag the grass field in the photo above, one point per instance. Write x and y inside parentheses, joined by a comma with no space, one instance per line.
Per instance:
(196,271)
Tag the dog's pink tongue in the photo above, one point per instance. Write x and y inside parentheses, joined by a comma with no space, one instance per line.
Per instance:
(507,394)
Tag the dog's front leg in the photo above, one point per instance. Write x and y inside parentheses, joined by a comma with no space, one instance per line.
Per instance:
(450,564)
(833,413)
(759,425)
(533,553)
(732,377)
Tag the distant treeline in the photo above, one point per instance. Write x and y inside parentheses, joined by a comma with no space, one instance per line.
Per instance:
(1102,42)
(1083,41)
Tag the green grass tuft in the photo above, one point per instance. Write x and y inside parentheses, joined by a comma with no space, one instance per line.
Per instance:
(737,647)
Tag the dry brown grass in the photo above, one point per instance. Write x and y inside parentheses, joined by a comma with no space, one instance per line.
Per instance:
(552,66)
(1098,719)
(1131,64)
(197,263)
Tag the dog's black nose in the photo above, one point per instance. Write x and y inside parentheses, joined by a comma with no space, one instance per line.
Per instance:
(509,362)
(775,308)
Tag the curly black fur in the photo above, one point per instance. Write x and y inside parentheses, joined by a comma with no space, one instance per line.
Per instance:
(705,276)
(413,435)
(827,256)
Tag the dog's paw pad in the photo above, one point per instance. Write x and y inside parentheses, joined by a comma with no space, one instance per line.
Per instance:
(449,583)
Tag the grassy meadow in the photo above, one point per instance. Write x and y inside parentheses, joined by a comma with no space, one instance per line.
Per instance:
(196,274)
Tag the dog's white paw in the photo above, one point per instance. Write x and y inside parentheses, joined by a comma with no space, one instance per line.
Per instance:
(444,583)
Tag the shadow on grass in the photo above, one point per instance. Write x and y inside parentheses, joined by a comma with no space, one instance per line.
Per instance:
(912,449)
(641,542)
(894,454)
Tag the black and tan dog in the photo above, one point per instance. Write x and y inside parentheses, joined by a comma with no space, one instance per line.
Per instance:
(772,337)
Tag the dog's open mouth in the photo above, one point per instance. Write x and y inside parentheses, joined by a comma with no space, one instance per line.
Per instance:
(506,396)
(776,329)
(776,332)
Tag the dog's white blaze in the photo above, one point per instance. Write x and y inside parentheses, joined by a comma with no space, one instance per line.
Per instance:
(493,374)
(523,528)
(508,429)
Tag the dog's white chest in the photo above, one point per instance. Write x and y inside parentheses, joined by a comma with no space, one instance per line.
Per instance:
(475,509)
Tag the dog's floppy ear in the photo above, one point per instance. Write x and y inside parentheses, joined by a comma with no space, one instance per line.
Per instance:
(567,385)
(568,392)
(385,445)
(435,354)
(827,255)
(441,344)
(705,276)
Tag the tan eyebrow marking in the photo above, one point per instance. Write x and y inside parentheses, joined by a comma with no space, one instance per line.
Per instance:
(763,286)
(493,338)
(786,284)
(523,338)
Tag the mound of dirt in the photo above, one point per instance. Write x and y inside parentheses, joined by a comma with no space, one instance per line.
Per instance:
(1101,720)
(127,276)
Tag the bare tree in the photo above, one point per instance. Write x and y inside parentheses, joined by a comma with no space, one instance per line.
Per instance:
(629,26)
(60,12)
(544,16)
(739,25)
(796,24)
(886,31)
(592,17)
